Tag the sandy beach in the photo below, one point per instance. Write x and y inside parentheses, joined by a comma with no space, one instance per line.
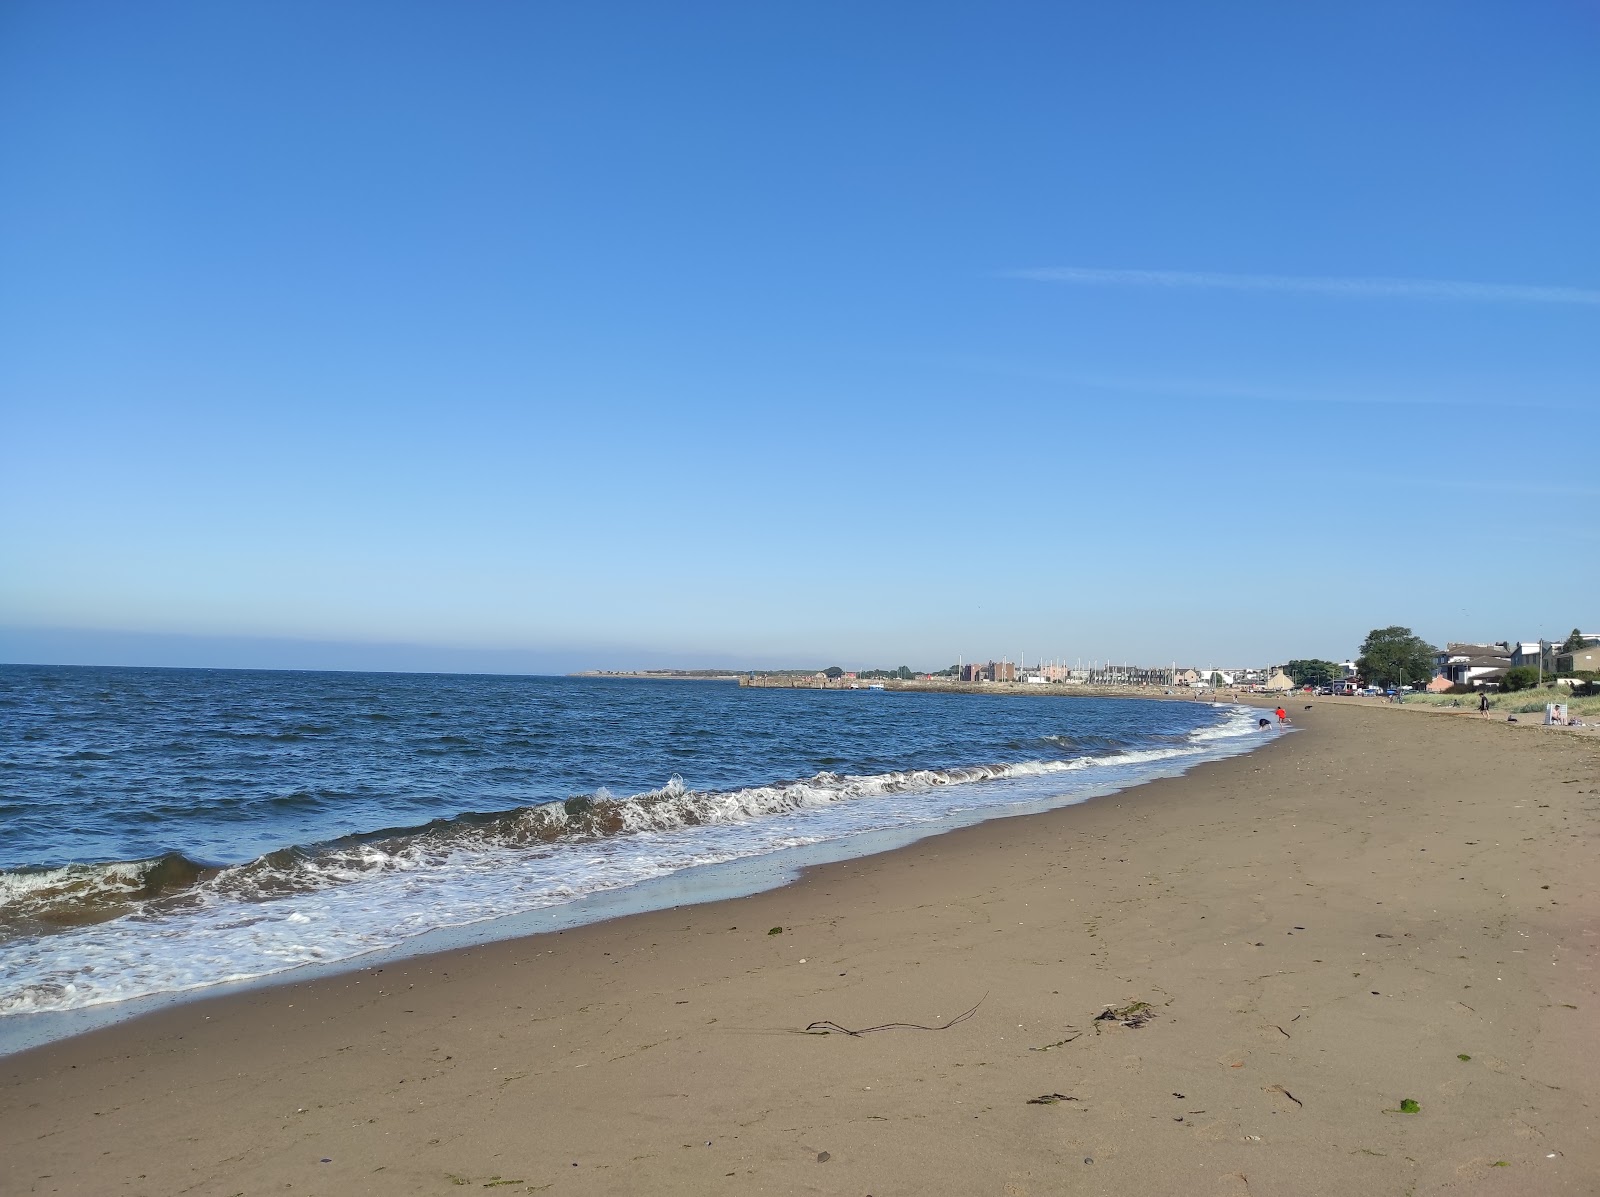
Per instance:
(1379,909)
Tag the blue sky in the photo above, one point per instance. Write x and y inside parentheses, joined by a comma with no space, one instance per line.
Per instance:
(547,335)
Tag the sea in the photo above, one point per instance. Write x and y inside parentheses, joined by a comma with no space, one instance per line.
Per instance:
(169,832)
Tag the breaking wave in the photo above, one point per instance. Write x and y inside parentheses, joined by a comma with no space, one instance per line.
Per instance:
(86,934)
(35,900)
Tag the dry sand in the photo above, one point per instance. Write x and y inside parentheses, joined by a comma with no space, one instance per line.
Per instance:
(1322,929)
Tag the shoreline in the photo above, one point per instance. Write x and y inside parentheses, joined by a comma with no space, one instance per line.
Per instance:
(1253,902)
(695,885)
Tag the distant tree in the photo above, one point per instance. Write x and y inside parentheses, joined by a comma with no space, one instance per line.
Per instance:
(1216,679)
(1394,656)
(1523,677)
(1313,672)
(904,673)
(833,673)
(1574,641)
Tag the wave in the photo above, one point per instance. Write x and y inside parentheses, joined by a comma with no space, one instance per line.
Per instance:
(36,900)
(86,934)
(32,900)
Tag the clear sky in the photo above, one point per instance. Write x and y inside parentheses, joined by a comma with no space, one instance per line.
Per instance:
(546,335)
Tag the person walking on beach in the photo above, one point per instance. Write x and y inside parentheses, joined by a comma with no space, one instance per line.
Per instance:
(1283,715)
(1483,703)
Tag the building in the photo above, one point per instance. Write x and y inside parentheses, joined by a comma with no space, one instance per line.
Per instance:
(993,671)
(1279,681)
(1472,664)
(1579,660)
(1526,654)
(1545,655)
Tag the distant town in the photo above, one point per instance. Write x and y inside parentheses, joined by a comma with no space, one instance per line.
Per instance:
(1391,659)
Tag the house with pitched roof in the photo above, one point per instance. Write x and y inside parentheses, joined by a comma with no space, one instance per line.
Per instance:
(1473,664)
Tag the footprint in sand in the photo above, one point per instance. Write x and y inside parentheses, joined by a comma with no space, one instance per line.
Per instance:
(1524,1129)
(1216,1132)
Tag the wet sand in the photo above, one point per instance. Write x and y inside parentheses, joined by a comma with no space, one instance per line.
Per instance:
(1321,929)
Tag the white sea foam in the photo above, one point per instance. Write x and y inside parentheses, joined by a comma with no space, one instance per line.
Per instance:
(341,901)
(120,877)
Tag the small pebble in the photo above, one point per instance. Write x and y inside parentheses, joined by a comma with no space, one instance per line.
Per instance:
(1088,1159)
(823,1157)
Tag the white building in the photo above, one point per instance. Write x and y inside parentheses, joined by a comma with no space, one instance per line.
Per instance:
(1473,664)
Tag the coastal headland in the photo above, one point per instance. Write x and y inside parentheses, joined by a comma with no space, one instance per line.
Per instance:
(1361,959)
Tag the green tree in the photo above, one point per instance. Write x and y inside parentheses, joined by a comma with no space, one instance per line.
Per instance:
(833,673)
(1313,672)
(1394,656)
(904,673)
(1523,677)
(1574,641)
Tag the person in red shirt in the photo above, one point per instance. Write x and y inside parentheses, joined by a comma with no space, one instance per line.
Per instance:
(1283,715)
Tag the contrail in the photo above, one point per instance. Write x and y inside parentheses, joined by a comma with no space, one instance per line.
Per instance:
(1349,288)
